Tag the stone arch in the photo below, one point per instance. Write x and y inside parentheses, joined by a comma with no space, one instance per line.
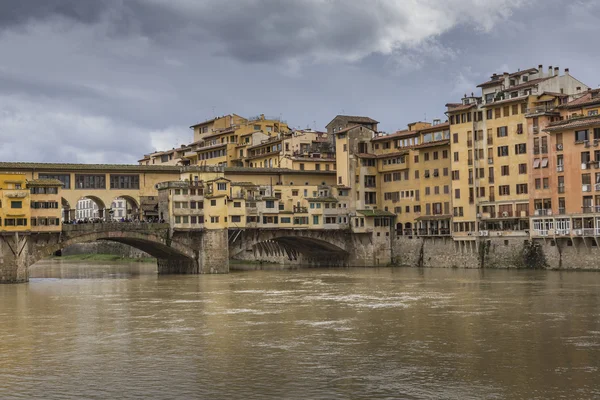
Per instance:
(399,229)
(156,245)
(130,204)
(100,203)
(310,247)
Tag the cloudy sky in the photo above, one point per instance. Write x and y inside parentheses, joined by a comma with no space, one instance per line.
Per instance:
(107,81)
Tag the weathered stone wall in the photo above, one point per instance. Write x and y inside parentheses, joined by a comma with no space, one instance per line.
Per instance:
(104,247)
(213,255)
(447,253)
(14,250)
(575,253)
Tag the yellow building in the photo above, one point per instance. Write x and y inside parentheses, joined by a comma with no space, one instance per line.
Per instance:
(414,177)
(46,207)
(15,211)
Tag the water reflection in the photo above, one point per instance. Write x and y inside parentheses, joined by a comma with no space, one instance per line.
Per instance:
(119,331)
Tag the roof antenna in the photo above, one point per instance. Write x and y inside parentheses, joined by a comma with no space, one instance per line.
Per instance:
(213,109)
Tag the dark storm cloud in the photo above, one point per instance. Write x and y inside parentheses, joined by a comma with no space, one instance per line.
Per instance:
(110,80)
(18,12)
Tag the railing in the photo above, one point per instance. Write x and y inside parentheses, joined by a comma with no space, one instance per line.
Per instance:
(300,209)
(542,212)
(590,209)
(562,211)
(540,109)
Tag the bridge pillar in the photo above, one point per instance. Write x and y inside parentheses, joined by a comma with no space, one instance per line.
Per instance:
(14,250)
(213,254)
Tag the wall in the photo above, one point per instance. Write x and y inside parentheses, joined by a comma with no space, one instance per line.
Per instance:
(448,253)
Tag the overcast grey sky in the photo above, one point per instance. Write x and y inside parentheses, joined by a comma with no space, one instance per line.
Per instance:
(107,81)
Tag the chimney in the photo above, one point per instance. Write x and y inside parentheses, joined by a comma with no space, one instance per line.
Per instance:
(550,71)
(541,71)
(567,73)
(556,71)
(506,79)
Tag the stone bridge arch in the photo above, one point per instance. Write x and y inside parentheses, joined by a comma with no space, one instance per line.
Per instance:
(152,239)
(311,247)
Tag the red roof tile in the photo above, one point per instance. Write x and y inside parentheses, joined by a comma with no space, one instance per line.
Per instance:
(573,123)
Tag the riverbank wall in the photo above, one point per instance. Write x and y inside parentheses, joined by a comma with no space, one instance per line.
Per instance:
(499,253)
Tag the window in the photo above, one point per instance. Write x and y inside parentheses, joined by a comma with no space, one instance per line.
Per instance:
(504,190)
(536,163)
(124,181)
(489,113)
(521,148)
(455,138)
(581,136)
(515,109)
(426,156)
(522,168)
(546,183)
(522,188)
(538,183)
(221,186)
(455,175)
(213,203)
(270,204)
(502,131)
(16,204)
(456,156)
(435,155)
(84,181)
(445,171)
(457,193)
(505,171)
(592,112)
(502,151)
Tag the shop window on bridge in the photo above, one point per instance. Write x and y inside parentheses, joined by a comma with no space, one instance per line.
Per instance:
(16,204)
(270,220)
(124,181)
(90,181)
(65,179)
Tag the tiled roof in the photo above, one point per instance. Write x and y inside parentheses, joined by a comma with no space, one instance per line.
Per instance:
(355,118)
(432,144)
(86,167)
(268,142)
(404,133)
(434,128)
(323,199)
(452,107)
(509,100)
(267,171)
(376,213)
(45,182)
(584,100)
(526,71)
(573,123)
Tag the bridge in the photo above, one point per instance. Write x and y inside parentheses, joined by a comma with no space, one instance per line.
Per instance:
(202,251)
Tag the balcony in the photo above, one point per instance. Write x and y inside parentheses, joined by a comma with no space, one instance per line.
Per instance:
(591,209)
(300,210)
(542,212)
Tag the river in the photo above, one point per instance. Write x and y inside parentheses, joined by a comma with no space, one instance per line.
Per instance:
(121,332)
